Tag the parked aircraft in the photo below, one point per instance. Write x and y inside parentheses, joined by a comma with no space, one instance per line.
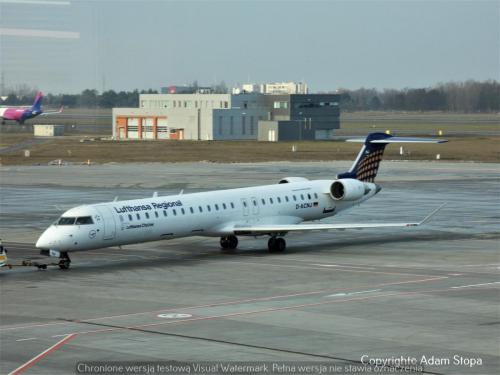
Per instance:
(21,114)
(270,210)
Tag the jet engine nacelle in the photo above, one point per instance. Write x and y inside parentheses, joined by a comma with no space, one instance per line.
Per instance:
(287,180)
(348,189)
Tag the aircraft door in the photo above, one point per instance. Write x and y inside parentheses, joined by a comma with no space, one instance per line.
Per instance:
(244,205)
(255,206)
(108,222)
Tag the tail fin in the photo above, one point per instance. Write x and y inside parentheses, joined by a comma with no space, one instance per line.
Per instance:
(367,162)
(37,104)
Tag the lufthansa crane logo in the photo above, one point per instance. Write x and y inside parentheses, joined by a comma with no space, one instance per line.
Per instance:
(92,233)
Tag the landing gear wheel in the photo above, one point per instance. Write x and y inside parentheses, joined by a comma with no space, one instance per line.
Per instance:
(229,242)
(64,261)
(276,245)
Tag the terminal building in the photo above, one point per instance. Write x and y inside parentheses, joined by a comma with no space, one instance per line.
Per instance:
(244,116)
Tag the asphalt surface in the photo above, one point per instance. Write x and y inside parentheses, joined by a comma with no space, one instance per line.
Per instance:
(338,298)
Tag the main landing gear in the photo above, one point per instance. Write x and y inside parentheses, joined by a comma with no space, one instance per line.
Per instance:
(276,244)
(64,261)
(229,242)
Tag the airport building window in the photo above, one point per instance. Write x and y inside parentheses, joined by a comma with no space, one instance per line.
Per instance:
(280,105)
(138,216)
(85,220)
(191,209)
(243,125)
(251,126)
(130,217)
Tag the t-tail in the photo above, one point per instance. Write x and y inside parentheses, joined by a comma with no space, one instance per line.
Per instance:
(37,104)
(366,165)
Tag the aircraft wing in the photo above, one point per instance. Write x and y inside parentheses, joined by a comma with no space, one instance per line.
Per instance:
(51,113)
(265,229)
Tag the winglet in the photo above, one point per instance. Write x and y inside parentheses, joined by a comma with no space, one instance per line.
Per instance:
(428,217)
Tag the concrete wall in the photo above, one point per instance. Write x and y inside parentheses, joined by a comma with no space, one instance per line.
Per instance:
(237,123)
(48,130)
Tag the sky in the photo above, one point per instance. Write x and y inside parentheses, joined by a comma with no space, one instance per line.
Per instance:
(64,46)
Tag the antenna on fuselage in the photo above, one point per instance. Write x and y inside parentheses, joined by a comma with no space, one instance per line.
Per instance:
(182,191)
(116,199)
(155,194)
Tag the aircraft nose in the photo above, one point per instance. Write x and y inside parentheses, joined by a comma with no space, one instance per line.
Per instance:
(47,240)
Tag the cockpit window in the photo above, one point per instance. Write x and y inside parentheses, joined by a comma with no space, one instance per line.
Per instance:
(66,221)
(84,220)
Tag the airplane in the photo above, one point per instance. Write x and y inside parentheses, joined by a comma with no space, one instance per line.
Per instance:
(21,114)
(269,210)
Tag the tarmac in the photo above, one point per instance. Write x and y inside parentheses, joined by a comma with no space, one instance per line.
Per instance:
(346,299)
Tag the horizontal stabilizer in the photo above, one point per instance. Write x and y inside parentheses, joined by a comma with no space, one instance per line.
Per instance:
(399,140)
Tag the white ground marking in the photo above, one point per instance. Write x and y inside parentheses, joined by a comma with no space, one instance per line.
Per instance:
(473,285)
(29,338)
(339,265)
(174,316)
(353,293)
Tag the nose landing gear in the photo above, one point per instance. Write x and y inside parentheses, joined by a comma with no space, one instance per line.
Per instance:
(276,244)
(64,261)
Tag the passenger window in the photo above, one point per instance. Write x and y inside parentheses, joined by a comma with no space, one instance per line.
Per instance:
(254,202)
(295,198)
(175,212)
(316,195)
(201,209)
(66,221)
(191,209)
(183,211)
(279,199)
(138,216)
(271,200)
(232,205)
(164,213)
(147,215)
(130,217)
(286,198)
(209,208)
(302,196)
(85,220)
(224,206)
(121,219)
(217,207)
(308,196)
(244,203)
(156,214)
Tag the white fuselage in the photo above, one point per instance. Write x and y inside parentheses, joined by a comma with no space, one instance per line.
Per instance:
(214,213)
